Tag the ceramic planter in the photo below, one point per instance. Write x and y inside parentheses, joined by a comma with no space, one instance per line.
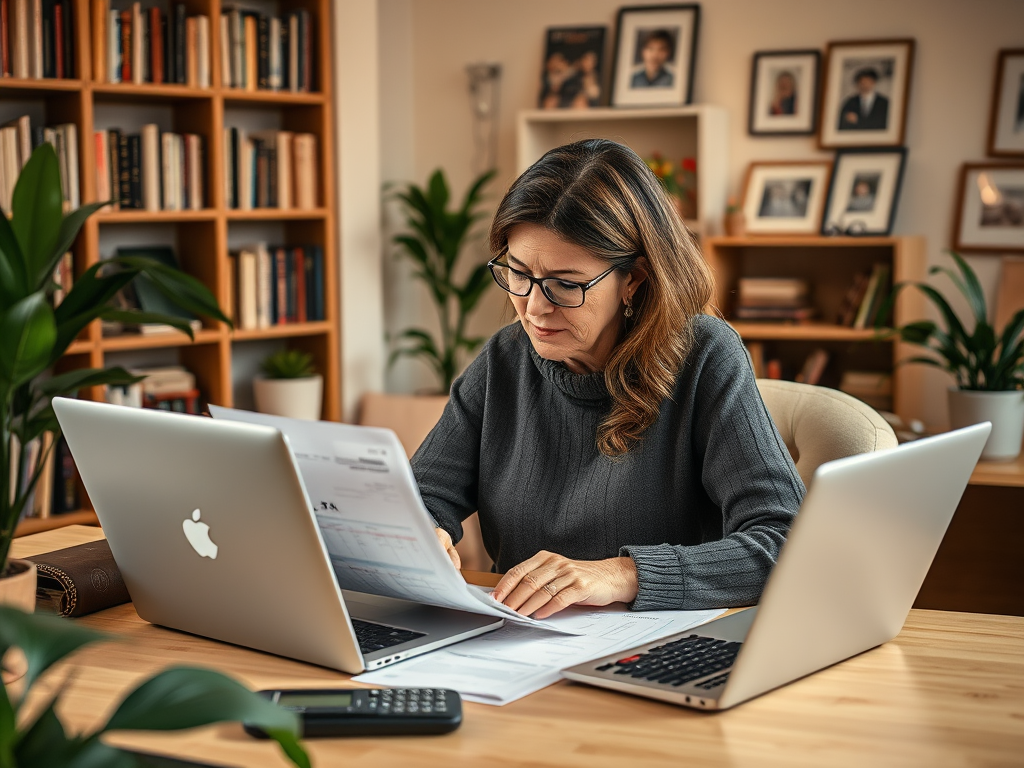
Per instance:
(1004,409)
(294,398)
(17,590)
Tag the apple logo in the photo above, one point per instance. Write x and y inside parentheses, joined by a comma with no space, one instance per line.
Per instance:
(198,535)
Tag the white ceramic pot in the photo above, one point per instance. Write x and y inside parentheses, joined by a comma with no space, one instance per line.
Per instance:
(1004,409)
(294,398)
(17,590)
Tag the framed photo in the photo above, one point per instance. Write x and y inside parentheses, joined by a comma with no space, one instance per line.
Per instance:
(864,190)
(655,54)
(991,210)
(573,68)
(1006,126)
(784,93)
(865,95)
(785,197)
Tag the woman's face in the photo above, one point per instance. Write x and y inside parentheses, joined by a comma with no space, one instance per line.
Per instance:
(581,337)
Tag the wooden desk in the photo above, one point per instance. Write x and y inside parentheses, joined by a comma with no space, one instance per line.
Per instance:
(949,691)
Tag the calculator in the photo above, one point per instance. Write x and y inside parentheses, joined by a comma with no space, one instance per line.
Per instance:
(369,711)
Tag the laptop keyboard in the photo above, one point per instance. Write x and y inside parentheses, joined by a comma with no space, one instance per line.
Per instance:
(681,661)
(377,637)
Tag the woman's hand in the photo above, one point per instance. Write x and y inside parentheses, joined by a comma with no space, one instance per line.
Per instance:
(547,583)
(446,542)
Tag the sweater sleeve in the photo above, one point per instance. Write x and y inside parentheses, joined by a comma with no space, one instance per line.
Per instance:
(747,474)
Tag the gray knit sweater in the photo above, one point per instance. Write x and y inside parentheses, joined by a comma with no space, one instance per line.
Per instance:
(702,504)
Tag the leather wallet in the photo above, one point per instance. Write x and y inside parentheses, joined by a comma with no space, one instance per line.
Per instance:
(79,580)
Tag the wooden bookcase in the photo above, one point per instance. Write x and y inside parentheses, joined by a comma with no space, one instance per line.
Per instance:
(201,239)
(830,265)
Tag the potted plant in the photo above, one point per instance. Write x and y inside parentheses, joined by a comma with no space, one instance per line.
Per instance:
(34,334)
(987,363)
(177,698)
(289,386)
(735,223)
(434,246)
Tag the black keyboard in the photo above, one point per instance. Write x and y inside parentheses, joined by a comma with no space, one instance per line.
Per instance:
(681,661)
(377,637)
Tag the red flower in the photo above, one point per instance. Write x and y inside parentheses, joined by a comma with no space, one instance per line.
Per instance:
(689,164)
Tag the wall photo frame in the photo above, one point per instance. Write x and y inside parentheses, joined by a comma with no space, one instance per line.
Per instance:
(864,191)
(784,93)
(573,69)
(785,198)
(655,55)
(990,210)
(865,93)
(1006,124)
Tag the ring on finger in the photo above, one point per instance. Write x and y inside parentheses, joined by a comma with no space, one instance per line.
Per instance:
(550,588)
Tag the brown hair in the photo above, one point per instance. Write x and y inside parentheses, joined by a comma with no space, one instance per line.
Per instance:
(601,196)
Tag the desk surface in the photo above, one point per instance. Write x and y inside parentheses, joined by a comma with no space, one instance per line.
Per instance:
(1003,473)
(949,690)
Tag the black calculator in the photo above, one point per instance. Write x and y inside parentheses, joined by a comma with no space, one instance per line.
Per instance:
(369,712)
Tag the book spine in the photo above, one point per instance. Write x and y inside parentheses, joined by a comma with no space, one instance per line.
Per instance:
(280,287)
(263,66)
(151,167)
(299,282)
(274,54)
(36,39)
(306,51)
(166,177)
(5,38)
(203,51)
(58,40)
(138,35)
(180,73)
(319,283)
(191,59)
(113,150)
(273,198)
(67,39)
(100,145)
(237,49)
(286,56)
(293,52)
(156,45)
(135,167)
(126,46)
(74,194)
(145,54)
(224,30)
(19,38)
(124,171)
(114,47)
(251,53)
(46,40)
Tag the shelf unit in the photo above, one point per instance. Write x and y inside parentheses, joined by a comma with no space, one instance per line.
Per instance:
(830,265)
(201,239)
(699,131)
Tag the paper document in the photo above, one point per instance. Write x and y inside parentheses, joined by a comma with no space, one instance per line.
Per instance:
(514,661)
(378,534)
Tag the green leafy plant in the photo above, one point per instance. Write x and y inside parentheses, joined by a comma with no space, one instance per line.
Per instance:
(434,246)
(34,335)
(288,364)
(984,358)
(177,698)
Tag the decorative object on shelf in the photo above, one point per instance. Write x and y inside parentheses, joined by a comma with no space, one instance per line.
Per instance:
(175,699)
(734,222)
(679,181)
(784,93)
(34,335)
(1006,125)
(866,89)
(987,362)
(289,386)
(990,210)
(434,246)
(655,55)
(572,76)
(864,191)
(785,198)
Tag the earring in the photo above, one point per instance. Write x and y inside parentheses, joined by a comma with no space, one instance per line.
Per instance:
(629,307)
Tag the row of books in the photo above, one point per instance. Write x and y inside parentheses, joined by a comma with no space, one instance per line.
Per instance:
(146,45)
(773,298)
(865,297)
(277,285)
(270,169)
(151,170)
(167,388)
(56,491)
(37,38)
(261,52)
(19,139)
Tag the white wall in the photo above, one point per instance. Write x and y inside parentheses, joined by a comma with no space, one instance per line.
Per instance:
(425,45)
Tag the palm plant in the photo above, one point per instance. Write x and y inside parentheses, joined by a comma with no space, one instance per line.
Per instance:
(34,334)
(434,246)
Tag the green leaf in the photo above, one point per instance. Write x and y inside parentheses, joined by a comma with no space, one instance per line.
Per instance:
(71,382)
(45,639)
(86,300)
(437,192)
(37,209)
(14,283)
(93,753)
(184,290)
(45,742)
(473,195)
(28,333)
(479,281)
(69,228)
(45,420)
(6,730)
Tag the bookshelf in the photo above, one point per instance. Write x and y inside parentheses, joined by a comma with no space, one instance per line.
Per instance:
(221,358)
(830,265)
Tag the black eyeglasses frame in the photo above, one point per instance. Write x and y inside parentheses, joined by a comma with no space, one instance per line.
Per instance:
(542,282)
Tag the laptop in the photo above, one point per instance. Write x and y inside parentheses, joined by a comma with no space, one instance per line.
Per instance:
(214,534)
(845,581)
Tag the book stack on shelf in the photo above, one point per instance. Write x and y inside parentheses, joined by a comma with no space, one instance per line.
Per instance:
(261,52)
(864,298)
(277,285)
(779,299)
(168,388)
(56,491)
(151,170)
(873,387)
(145,45)
(37,39)
(270,169)
(19,138)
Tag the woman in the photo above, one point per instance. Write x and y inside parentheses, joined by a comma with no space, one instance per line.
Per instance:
(613,439)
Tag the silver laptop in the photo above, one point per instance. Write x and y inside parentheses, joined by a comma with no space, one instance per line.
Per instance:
(214,534)
(845,581)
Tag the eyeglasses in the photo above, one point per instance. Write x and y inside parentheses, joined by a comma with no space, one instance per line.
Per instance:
(561,293)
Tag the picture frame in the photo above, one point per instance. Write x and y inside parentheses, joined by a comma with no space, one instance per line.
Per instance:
(990,208)
(785,197)
(655,55)
(784,93)
(865,91)
(1006,123)
(864,191)
(572,73)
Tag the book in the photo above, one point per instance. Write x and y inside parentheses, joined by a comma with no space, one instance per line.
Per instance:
(772,291)
(813,367)
(100,18)
(78,580)
(877,288)
(791,314)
